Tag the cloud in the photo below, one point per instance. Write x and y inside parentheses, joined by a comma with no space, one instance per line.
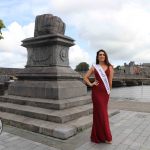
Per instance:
(120,27)
(12,60)
(11,51)
(78,55)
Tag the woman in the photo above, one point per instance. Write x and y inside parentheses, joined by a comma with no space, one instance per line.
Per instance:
(103,72)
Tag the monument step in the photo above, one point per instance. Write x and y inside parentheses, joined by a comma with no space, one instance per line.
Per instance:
(61,131)
(59,116)
(47,103)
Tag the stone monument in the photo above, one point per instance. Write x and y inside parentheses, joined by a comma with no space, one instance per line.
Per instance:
(48,97)
(47,73)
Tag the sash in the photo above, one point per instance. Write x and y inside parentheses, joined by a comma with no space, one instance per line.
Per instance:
(103,76)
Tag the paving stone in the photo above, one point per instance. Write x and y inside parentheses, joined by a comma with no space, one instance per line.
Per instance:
(2,147)
(122,147)
(131,131)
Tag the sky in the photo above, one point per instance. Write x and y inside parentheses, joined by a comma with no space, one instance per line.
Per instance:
(121,27)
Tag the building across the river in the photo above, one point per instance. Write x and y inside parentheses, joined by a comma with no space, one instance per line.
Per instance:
(9,71)
(133,69)
(7,74)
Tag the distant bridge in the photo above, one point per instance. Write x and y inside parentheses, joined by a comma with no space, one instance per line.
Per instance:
(125,80)
(130,81)
(130,78)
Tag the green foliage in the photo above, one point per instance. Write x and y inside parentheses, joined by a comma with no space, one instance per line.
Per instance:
(82,67)
(1,37)
(1,26)
(118,67)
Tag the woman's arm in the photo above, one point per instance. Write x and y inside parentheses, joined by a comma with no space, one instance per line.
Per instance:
(87,75)
(111,76)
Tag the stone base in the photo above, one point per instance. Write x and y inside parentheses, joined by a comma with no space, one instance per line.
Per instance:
(48,89)
(48,82)
(42,115)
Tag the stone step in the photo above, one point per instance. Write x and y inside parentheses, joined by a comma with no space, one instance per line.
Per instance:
(61,131)
(86,121)
(47,103)
(59,116)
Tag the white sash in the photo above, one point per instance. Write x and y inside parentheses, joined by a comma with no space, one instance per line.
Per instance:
(103,76)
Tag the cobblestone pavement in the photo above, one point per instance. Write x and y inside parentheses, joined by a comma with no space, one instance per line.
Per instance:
(130,130)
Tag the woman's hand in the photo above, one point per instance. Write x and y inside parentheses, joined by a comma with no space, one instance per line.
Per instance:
(95,83)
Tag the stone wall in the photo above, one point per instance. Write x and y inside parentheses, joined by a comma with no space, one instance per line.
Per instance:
(10,71)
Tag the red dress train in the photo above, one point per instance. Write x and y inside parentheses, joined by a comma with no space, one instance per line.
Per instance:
(100,128)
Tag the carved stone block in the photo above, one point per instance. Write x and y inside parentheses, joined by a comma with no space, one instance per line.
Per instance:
(48,24)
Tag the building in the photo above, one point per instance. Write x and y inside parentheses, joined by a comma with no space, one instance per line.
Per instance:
(133,69)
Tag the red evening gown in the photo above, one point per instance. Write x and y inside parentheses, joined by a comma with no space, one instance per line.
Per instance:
(100,128)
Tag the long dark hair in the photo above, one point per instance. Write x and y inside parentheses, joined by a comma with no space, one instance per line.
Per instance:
(106,57)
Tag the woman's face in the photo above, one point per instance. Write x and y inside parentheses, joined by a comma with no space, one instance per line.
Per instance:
(101,56)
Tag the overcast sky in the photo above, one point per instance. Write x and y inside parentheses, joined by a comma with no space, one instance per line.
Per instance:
(121,27)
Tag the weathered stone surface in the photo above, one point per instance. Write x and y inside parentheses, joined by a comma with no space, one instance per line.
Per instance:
(48,50)
(63,132)
(48,73)
(48,89)
(48,24)
(47,103)
(59,116)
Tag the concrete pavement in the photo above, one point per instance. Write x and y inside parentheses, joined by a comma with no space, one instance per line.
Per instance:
(12,142)
(130,130)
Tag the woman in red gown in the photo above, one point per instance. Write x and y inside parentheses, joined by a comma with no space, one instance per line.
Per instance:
(100,97)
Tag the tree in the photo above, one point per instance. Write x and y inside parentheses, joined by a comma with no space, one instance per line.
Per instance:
(118,68)
(1,26)
(82,67)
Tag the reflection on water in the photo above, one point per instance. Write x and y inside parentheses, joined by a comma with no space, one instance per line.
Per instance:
(135,93)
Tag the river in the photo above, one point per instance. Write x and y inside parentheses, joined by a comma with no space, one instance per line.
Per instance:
(132,93)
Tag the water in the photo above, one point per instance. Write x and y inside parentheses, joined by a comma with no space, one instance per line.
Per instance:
(133,93)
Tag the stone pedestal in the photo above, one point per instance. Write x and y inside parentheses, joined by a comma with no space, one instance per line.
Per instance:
(47,73)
